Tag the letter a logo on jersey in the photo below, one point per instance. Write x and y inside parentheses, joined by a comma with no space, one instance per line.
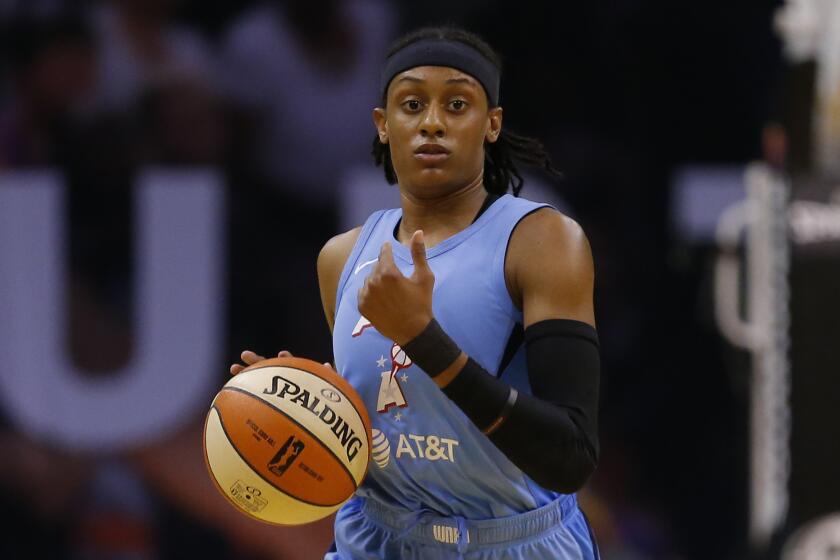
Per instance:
(390,392)
(361,325)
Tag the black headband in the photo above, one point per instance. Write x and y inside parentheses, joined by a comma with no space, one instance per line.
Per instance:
(442,52)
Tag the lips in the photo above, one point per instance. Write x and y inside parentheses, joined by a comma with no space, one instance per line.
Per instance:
(431,153)
(431,149)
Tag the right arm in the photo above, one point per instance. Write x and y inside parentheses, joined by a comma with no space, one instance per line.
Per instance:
(331,261)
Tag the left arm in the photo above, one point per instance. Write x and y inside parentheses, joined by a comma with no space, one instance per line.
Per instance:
(552,434)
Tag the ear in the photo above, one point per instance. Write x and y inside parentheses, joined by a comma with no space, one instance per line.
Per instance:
(381,124)
(494,117)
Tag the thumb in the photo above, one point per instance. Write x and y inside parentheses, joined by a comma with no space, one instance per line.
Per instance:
(418,254)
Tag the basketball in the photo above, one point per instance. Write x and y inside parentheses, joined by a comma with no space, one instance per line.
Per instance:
(287,441)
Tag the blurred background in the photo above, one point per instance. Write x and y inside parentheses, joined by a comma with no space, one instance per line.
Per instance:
(169,170)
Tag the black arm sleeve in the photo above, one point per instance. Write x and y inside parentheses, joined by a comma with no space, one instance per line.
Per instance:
(552,434)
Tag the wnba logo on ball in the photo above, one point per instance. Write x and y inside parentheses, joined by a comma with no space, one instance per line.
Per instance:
(277,465)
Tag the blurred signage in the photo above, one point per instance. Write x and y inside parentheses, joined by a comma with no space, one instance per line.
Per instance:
(178,298)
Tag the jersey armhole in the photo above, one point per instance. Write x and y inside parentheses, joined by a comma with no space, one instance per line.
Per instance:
(353,258)
(501,261)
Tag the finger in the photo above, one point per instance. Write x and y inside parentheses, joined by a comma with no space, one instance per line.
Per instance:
(386,258)
(251,357)
(284,354)
(418,253)
(236,368)
(361,299)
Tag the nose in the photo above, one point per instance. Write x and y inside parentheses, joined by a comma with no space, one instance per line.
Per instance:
(432,123)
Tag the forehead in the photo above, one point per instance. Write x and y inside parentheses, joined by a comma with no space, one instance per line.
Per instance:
(434,76)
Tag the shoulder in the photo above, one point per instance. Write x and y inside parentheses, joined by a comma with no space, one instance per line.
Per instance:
(334,253)
(331,262)
(547,231)
(549,257)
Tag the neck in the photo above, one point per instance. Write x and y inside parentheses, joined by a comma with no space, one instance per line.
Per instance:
(440,217)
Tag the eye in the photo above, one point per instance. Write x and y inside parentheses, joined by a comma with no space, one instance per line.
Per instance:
(458,105)
(412,105)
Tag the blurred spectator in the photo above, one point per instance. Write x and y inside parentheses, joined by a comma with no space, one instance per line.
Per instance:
(308,71)
(40,492)
(811,29)
(304,76)
(53,73)
(183,123)
(140,47)
(10,9)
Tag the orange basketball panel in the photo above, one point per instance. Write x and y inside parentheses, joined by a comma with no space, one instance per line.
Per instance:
(245,489)
(282,452)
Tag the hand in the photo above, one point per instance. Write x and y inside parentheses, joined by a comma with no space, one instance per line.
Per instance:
(399,307)
(251,358)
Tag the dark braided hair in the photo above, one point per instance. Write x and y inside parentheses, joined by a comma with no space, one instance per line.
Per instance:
(501,157)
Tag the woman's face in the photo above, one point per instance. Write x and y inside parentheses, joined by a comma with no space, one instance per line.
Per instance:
(435,124)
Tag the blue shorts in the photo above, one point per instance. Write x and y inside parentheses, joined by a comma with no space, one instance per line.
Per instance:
(369,530)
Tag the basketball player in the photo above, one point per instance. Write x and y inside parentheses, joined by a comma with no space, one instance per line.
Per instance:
(465,321)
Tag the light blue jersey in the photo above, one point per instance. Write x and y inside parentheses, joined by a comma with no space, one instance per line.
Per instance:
(428,456)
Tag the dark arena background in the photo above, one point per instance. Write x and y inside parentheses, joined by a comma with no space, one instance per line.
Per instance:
(170,169)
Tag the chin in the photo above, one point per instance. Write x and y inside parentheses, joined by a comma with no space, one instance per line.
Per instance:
(432,182)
